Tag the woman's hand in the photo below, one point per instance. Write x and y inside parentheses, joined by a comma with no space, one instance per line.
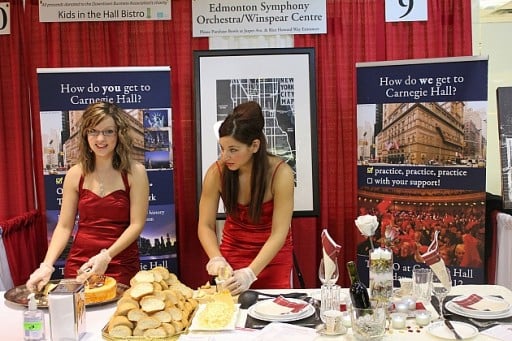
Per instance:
(216,264)
(97,265)
(241,281)
(40,277)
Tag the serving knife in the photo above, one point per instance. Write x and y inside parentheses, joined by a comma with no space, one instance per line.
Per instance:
(449,324)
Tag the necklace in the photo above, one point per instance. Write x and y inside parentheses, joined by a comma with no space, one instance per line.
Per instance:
(101,185)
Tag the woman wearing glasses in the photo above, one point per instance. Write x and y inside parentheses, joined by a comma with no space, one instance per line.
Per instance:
(109,191)
(256,188)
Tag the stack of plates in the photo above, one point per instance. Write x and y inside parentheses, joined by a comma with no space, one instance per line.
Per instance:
(500,308)
(269,310)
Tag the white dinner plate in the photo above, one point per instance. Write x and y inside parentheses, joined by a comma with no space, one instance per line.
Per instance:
(255,311)
(196,326)
(439,329)
(454,308)
(501,306)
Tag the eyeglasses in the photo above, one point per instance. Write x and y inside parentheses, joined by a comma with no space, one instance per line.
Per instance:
(106,132)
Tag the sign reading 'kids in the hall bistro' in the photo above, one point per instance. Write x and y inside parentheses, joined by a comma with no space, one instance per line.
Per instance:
(80,10)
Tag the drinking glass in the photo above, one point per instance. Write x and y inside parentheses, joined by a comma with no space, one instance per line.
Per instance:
(322,276)
(422,284)
(369,324)
(441,286)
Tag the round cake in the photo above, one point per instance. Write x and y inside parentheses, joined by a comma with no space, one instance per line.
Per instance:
(96,293)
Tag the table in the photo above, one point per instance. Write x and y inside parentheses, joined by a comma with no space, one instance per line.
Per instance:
(11,317)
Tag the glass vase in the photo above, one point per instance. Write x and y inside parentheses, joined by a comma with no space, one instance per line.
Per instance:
(381,274)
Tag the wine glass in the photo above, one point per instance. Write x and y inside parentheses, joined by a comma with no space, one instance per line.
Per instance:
(325,278)
(441,286)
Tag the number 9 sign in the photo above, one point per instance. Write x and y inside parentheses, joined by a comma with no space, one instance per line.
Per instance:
(5,26)
(406,10)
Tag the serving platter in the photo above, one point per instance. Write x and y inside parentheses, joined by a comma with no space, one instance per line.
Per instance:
(18,295)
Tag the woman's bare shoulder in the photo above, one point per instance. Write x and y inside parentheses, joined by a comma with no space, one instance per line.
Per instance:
(74,171)
(73,175)
(137,168)
(277,163)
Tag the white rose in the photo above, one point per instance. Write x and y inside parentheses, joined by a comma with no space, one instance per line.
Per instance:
(367,224)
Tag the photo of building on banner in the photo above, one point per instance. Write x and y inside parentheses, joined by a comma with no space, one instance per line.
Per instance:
(422,132)
(149,116)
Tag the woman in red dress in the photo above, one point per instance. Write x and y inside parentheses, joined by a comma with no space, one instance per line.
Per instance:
(109,191)
(256,188)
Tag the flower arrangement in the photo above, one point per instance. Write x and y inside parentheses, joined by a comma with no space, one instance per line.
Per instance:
(367,225)
(381,258)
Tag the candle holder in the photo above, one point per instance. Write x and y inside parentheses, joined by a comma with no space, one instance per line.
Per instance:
(423,317)
(381,274)
(398,320)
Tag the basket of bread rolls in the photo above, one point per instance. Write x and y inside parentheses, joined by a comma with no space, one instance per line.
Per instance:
(156,306)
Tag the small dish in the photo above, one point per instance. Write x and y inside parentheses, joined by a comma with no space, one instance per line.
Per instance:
(440,330)
(322,331)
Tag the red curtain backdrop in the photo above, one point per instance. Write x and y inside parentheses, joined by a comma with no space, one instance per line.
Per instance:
(21,223)
(16,173)
(356,33)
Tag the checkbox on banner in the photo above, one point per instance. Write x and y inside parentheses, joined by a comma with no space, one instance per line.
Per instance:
(369,181)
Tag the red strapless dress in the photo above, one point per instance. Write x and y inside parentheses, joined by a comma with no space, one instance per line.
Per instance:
(101,221)
(242,240)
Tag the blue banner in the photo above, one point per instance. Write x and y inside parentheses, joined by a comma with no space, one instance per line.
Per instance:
(421,158)
(144,94)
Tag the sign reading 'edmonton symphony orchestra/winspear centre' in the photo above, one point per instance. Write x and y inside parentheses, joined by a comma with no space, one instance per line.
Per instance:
(256,17)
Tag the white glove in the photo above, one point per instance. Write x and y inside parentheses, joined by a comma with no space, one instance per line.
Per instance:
(40,277)
(218,264)
(241,280)
(95,265)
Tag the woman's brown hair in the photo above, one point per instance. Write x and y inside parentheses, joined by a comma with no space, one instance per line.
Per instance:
(245,125)
(92,116)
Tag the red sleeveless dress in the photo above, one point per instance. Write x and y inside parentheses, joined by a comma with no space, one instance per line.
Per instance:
(101,221)
(242,240)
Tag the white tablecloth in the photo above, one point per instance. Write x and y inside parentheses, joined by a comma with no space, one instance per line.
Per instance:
(11,317)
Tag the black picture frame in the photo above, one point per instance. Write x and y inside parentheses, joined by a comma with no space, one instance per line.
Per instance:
(285,79)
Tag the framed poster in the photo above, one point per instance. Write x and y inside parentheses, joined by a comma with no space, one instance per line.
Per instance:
(283,82)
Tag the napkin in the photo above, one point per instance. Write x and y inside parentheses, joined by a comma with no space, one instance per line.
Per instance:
(435,262)
(279,306)
(330,250)
(295,306)
(476,302)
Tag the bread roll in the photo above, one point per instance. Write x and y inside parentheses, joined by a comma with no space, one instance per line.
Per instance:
(120,332)
(144,276)
(119,321)
(141,289)
(162,271)
(151,304)
(155,333)
(148,322)
(124,307)
(163,316)
(136,314)
(169,328)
